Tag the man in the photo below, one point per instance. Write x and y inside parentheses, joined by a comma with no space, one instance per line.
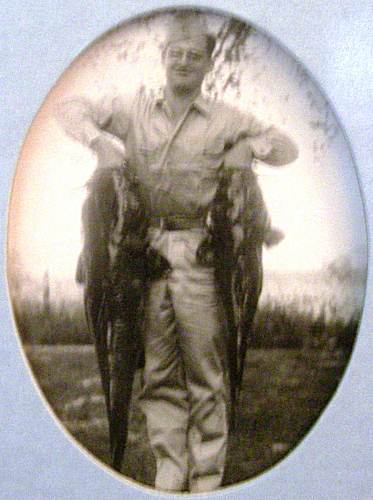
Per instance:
(176,142)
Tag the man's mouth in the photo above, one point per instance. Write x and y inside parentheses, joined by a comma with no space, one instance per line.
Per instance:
(182,72)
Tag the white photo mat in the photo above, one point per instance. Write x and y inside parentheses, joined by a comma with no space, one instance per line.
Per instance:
(334,461)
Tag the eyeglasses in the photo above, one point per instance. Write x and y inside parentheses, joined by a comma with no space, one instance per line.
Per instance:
(190,56)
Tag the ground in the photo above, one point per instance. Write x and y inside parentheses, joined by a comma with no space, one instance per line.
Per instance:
(284,392)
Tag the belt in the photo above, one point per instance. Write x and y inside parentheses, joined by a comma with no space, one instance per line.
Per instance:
(176,222)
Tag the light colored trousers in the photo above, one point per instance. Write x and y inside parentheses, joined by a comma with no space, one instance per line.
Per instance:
(185,388)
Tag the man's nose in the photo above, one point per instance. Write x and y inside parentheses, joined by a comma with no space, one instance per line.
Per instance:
(184,58)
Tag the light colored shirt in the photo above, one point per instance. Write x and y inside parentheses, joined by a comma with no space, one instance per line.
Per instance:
(178,164)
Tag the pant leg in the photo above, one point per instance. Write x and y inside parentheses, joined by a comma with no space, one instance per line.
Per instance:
(184,395)
(164,397)
(202,342)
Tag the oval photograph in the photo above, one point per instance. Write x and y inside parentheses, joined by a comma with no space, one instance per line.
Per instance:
(186,250)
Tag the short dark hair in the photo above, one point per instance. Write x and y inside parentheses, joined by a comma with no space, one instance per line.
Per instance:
(210,44)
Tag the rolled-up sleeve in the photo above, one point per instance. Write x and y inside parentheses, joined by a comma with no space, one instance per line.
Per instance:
(84,120)
(267,143)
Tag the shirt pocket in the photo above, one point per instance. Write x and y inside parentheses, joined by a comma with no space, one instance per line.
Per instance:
(212,159)
(209,178)
(149,153)
(214,147)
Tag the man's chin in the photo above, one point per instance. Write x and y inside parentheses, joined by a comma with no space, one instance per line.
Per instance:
(182,87)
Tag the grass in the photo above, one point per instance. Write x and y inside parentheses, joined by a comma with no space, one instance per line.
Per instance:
(61,324)
(303,335)
(283,393)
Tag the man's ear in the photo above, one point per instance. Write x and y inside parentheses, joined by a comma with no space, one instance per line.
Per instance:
(163,53)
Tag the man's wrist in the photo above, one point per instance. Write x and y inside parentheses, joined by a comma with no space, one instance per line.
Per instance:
(94,139)
(90,134)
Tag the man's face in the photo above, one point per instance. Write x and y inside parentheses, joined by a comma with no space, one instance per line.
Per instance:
(186,63)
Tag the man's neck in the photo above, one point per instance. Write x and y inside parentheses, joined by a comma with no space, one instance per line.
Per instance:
(179,101)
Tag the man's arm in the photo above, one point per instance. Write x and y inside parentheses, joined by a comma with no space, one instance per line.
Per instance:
(254,139)
(239,158)
(273,147)
(99,126)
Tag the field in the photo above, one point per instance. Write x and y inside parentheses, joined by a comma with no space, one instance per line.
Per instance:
(303,335)
(284,392)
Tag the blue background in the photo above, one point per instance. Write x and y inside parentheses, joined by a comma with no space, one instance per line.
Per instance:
(333,40)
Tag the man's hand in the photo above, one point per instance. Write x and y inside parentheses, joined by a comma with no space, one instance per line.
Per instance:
(273,147)
(110,150)
(273,236)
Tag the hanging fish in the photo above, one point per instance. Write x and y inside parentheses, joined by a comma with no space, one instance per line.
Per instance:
(115,267)
(238,226)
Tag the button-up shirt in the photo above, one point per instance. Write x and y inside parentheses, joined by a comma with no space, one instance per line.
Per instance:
(178,164)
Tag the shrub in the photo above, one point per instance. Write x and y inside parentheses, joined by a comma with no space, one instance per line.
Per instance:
(288,326)
(64,323)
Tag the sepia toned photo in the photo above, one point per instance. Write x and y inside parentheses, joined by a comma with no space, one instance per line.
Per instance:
(186,251)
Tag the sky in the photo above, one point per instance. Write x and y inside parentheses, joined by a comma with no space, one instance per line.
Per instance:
(315,200)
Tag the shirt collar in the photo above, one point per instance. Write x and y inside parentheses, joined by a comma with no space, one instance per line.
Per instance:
(201,103)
